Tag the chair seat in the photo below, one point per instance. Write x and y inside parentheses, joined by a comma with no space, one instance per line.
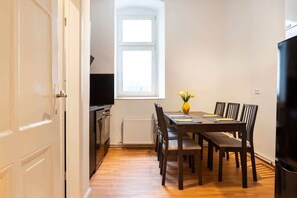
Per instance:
(172,135)
(211,135)
(188,144)
(229,142)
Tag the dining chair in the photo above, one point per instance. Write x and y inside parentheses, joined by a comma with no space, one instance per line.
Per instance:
(231,112)
(220,108)
(172,133)
(170,147)
(234,144)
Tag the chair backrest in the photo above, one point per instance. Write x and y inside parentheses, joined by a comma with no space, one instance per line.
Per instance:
(162,124)
(219,108)
(248,115)
(156,106)
(232,110)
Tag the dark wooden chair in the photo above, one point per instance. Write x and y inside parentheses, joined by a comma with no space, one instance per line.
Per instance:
(231,112)
(220,108)
(172,133)
(170,147)
(234,144)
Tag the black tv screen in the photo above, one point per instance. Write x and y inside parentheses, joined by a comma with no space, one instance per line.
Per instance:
(101,89)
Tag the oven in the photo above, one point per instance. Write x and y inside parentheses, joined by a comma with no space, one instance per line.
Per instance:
(102,134)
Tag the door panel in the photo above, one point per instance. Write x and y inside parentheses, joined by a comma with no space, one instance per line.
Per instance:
(35,69)
(35,181)
(31,135)
(5,61)
(5,181)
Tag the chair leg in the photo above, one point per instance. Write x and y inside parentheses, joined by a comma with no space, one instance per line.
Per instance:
(221,153)
(236,159)
(227,155)
(210,156)
(190,161)
(199,168)
(159,150)
(193,163)
(157,142)
(164,168)
(161,161)
(242,166)
(200,142)
(254,165)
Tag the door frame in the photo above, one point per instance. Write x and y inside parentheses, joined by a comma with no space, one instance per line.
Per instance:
(77,73)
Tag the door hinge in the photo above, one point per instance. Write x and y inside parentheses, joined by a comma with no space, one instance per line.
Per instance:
(65,21)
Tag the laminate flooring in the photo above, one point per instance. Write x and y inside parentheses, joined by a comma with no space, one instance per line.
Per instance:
(135,173)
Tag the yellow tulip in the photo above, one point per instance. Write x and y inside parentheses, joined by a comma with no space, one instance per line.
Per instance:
(185,95)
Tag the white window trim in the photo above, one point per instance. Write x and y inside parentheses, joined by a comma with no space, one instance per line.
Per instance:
(136,17)
(151,46)
(154,81)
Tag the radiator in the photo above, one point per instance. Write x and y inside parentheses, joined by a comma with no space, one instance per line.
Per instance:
(138,131)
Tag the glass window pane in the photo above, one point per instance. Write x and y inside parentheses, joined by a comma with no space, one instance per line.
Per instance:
(137,71)
(137,31)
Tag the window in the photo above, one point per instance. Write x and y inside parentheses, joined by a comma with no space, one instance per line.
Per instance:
(139,71)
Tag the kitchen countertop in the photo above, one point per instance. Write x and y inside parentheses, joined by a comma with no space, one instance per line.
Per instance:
(95,108)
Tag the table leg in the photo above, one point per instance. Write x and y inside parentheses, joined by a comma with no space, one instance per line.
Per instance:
(244,159)
(180,161)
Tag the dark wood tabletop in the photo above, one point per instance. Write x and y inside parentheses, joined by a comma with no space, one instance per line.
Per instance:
(204,122)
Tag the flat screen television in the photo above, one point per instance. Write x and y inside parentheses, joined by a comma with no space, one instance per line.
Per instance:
(101,89)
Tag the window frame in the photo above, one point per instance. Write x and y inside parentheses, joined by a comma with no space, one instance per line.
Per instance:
(154,78)
(121,46)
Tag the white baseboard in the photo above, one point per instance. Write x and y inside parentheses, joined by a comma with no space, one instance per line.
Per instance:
(265,159)
(88,193)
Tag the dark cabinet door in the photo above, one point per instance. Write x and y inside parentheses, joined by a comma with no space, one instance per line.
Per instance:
(92,142)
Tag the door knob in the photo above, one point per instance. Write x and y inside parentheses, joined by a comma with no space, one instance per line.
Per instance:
(62,94)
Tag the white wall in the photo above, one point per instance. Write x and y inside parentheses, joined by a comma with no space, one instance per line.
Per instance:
(252,30)
(194,39)
(291,18)
(221,51)
(102,36)
(193,55)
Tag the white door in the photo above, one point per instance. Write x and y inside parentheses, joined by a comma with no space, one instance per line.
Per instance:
(31,116)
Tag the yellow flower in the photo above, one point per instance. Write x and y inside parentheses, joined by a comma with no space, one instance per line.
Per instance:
(180,93)
(186,95)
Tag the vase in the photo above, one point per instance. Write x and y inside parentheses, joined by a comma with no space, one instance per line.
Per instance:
(186,107)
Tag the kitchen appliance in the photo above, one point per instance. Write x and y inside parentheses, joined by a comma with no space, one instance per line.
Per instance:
(286,129)
(99,136)
(102,134)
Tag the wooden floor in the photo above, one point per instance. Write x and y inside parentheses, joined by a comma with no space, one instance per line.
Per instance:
(135,173)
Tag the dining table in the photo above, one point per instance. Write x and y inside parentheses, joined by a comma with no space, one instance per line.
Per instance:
(199,121)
